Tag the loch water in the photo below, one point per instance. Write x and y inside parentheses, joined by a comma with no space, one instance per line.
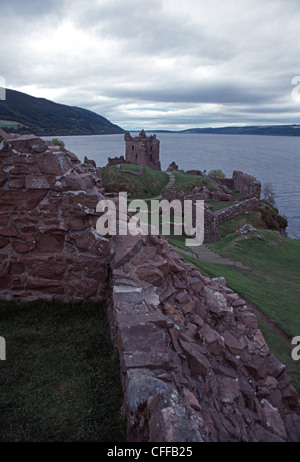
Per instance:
(270,159)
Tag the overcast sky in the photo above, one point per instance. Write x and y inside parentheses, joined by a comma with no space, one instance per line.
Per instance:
(158,64)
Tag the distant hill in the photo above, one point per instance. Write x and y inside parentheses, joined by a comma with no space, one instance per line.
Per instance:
(22,113)
(274,130)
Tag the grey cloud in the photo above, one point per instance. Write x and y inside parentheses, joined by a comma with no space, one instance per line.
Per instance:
(147,28)
(28,8)
(143,54)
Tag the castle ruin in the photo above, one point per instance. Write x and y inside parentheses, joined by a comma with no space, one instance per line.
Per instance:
(142,150)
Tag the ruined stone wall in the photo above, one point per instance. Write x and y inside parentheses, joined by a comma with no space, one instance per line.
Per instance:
(143,150)
(228,182)
(48,244)
(194,365)
(212,220)
(140,173)
(246,184)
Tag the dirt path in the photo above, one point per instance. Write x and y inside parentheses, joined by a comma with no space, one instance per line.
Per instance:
(259,314)
(169,185)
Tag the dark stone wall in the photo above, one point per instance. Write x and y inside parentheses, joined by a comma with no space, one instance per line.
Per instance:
(49,248)
(246,184)
(143,150)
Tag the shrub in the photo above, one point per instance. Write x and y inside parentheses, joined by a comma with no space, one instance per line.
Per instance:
(58,142)
(216,174)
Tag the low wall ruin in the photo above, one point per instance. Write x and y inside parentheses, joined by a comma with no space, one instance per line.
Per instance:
(49,247)
(246,184)
(212,220)
(194,365)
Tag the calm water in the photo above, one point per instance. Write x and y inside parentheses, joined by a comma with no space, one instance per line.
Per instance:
(271,159)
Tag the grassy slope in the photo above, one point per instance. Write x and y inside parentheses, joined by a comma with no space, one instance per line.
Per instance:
(61,377)
(44,117)
(150,185)
(185,181)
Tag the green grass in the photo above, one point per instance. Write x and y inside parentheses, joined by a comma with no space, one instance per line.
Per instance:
(130,167)
(150,185)
(61,378)
(186,181)
(274,263)
(219,205)
(10,124)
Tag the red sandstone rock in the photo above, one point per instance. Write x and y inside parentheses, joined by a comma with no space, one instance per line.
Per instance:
(50,244)
(3,176)
(42,285)
(49,270)
(16,184)
(50,164)
(91,242)
(257,367)
(20,200)
(182,297)
(82,288)
(36,182)
(191,399)
(214,342)
(188,307)
(150,274)
(23,247)
(128,246)
(145,256)
(198,363)
(178,283)
(196,284)
(20,170)
(249,320)
(28,144)
(232,343)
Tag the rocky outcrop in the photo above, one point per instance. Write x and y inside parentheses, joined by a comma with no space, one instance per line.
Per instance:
(48,244)
(194,365)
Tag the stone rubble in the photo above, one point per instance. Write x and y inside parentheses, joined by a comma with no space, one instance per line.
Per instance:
(194,365)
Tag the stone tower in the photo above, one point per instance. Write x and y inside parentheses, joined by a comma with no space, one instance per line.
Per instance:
(142,150)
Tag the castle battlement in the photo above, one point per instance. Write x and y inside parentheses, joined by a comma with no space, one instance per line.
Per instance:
(142,150)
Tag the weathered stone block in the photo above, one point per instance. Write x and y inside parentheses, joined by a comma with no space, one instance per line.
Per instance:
(36,182)
(198,363)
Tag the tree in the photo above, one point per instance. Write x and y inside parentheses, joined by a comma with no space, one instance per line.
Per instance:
(216,174)
(268,194)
